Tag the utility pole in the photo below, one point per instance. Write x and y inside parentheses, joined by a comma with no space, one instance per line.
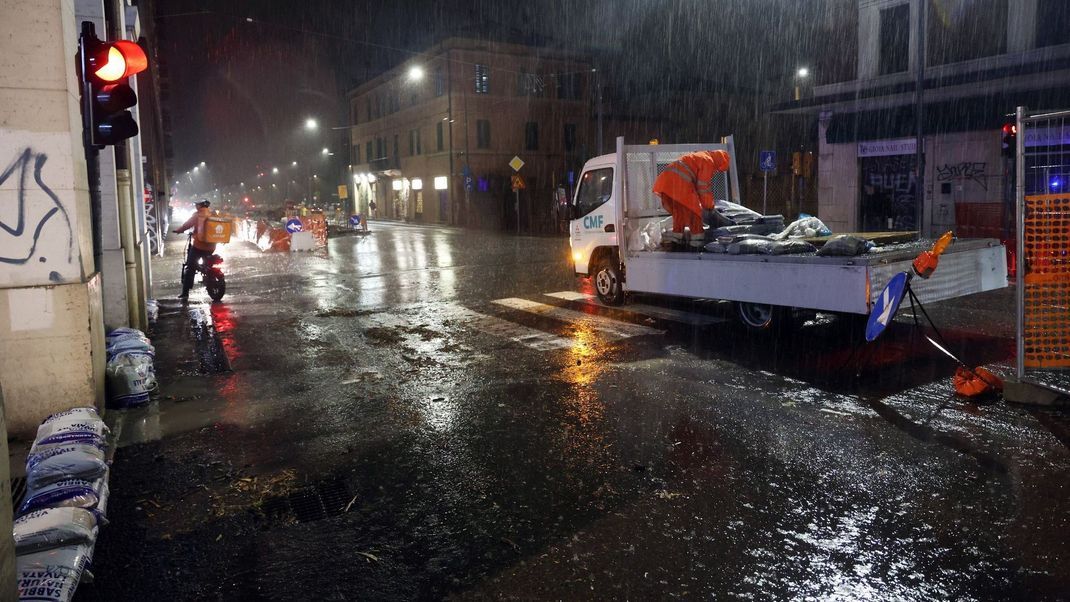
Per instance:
(598,88)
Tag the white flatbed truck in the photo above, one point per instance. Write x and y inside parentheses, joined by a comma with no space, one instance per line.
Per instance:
(613,203)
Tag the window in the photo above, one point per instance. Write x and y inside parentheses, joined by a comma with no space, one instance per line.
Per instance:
(596,186)
(355,159)
(414,98)
(569,86)
(1052,19)
(378,106)
(380,148)
(368,108)
(395,101)
(419,147)
(354,113)
(962,30)
(482,133)
(531,136)
(438,136)
(895,39)
(570,137)
(529,84)
(440,82)
(412,143)
(397,153)
(482,79)
(368,151)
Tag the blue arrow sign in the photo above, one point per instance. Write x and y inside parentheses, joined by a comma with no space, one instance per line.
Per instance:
(885,306)
(294,225)
(767,160)
(354,220)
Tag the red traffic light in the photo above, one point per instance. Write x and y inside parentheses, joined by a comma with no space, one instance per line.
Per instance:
(115,61)
(1010,129)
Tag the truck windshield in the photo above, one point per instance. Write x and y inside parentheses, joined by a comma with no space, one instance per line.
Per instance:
(596,186)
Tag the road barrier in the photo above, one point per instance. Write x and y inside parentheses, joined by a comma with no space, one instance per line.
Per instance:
(1042,171)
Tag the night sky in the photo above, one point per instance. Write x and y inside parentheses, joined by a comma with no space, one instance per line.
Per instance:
(245,74)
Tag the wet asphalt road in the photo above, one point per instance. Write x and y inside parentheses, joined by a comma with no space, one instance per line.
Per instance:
(409,415)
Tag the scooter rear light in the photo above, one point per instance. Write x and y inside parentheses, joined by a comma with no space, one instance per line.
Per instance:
(216,260)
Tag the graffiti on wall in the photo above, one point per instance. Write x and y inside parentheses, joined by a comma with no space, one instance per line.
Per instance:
(35,206)
(967,171)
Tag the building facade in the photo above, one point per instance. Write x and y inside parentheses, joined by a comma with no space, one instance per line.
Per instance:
(431,140)
(982,59)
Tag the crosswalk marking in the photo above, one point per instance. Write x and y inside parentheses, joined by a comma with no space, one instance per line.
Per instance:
(570,295)
(608,327)
(665,313)
(525,335)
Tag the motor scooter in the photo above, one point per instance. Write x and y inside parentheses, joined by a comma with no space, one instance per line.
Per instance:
(211,274)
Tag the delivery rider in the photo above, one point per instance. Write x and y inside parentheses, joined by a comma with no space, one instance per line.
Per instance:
(199,250)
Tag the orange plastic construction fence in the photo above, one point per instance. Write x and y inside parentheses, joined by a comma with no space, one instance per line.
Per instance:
(1046,336)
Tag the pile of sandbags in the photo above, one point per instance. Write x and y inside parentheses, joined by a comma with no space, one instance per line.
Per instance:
(65,505)
(130,376)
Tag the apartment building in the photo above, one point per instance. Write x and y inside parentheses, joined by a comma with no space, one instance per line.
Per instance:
(431,140)
(982,58)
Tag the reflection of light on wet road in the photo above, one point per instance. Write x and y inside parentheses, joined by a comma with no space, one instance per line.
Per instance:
(608,328)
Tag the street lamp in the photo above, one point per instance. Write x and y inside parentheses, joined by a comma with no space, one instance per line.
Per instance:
(202,163)
(416,73)
(801,74)
(311,124)
(294,164)
(274,170)
(325,150)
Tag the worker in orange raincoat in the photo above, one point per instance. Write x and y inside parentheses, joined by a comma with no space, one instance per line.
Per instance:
(686,187)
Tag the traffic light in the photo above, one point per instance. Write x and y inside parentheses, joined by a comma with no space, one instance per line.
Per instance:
(106,93)
(1010,140)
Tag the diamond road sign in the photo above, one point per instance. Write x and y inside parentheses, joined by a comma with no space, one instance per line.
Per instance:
(516,163)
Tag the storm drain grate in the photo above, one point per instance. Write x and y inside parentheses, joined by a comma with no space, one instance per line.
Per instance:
(316,502)
(18,491)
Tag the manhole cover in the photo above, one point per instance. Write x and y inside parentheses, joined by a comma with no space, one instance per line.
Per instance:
(314,502)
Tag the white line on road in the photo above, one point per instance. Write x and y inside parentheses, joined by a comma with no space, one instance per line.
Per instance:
(665,313)
(612,329)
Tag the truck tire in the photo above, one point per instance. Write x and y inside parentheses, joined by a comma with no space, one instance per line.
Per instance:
(607,282)
(760,317)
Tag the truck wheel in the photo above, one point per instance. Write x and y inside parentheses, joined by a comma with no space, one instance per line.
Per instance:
(607,283)
(762,317)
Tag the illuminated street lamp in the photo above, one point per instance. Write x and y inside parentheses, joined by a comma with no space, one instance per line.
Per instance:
(326,151)
(311,124)
(416,73)
(274,170)
(800,75)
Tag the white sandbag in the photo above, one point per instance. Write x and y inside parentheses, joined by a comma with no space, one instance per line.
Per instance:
(68,493)
(58,462)
(53,528)
(52,575)
(74,429)
(805,227)
(128,381)
(84,413)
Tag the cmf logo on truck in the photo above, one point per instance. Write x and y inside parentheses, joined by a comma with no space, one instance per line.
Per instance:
(592,222)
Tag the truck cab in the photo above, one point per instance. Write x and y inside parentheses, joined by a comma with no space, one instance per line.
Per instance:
(593,231)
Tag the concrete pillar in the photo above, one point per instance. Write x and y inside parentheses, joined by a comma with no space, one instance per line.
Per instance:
(51,323)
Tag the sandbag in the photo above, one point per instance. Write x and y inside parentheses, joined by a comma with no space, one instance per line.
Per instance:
(128,381)
(759,229)
(806,226)
(51,575)
(68,493)
(735,212)
(58,462)
(78,429)
(845,245)
(85,413)
(53,528)
(760,246)
(715,247)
